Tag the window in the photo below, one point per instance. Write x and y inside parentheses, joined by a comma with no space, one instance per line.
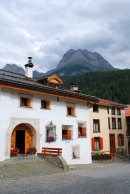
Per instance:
(120,139)
(128,132)
(58,99)
(95,108)
(113,123)
(54,85)
(66,132)
(81,130)
(113,111)
(70,111)
(25,102)
(96,125)
(119,123)
(45,104)
(128,129)
(128,126)
(108,110)
(50,132)
(97,143)
(75,152)
(109,126)
(118,111)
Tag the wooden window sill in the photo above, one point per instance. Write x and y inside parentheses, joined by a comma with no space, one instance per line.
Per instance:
(66,139)
(25,107)
(96,131)
(71,115)
(46,108)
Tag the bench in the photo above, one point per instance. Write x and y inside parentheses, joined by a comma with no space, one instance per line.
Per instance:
(52,151)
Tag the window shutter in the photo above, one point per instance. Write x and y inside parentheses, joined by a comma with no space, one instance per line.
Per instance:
(28,102)
(73,111)
(101,143)
(47,104)
(122,139)
(69,134)
(84,131)
(93,147)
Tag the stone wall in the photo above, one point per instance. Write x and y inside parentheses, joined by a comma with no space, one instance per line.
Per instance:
(56,160)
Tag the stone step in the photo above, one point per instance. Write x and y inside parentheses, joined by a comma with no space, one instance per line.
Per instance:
(119,157)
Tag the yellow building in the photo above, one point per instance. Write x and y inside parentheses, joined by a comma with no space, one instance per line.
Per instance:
(127,113)
(108,127)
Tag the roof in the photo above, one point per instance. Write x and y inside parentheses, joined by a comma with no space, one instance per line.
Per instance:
(54,78)
(17,80)
(127,112)
(108,103)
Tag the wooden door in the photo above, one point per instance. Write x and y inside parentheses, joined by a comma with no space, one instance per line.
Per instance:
(129,146)
(112,143)
(28,139)
(13,140)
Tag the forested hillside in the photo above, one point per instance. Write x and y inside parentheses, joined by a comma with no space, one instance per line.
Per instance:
(111,85)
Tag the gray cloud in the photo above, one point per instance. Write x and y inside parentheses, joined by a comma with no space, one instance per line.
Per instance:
(45,30)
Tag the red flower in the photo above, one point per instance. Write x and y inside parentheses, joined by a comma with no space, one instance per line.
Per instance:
(14,152)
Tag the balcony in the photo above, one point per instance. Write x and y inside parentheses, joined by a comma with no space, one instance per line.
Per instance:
(128,133)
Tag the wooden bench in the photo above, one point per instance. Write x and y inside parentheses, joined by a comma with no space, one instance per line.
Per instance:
(52,151)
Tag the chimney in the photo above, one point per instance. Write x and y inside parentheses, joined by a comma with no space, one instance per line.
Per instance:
(74,87)
(29,68)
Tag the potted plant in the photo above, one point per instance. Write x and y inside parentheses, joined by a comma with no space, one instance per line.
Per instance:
(14,152)
(50,138)
(31,151)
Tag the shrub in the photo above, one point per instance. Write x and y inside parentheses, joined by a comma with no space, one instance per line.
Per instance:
(101,156)
(31,151)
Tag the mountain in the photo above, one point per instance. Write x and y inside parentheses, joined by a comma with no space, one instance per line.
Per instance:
(37,74)
(16,69)
(72,63)
(80,61)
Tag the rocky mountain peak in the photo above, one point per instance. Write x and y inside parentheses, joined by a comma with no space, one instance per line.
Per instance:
(93,60)
(72,63)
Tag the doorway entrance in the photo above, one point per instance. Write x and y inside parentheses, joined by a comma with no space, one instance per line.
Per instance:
(20,141)
(112,143)
(22,138)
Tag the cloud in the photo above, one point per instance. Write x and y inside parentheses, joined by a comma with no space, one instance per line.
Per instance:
(45,30)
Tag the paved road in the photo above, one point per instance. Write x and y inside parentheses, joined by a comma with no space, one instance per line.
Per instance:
(112,178)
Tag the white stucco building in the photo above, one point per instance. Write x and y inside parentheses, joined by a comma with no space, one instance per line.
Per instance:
(41,113)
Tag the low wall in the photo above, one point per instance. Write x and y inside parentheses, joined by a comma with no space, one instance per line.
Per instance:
(56,160)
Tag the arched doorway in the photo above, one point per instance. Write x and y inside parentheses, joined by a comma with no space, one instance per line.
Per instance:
(22,138)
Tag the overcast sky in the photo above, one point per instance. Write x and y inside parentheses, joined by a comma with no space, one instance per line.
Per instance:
(46,29)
